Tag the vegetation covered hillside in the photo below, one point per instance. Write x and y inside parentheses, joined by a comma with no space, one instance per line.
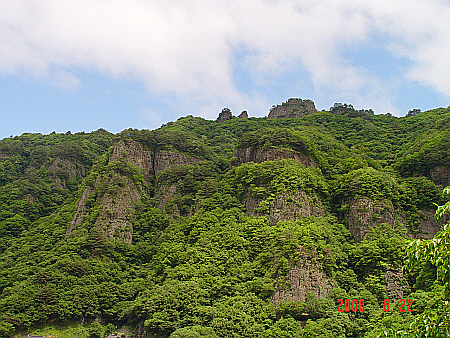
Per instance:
(247,227)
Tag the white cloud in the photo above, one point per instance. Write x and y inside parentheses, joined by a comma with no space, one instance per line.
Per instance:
(153,119)
(186,49)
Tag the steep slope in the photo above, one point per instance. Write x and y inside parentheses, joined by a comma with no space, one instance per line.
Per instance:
(245,227)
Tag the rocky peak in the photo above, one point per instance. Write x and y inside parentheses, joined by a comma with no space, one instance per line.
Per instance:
(224,115)
(243,115)
(341,108)
(292,108)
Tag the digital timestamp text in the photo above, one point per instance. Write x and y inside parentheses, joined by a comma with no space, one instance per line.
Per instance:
(357,305)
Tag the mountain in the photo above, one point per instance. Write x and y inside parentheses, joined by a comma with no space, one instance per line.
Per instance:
(239,227)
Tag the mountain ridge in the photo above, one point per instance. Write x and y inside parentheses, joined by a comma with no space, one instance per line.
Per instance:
(270,216)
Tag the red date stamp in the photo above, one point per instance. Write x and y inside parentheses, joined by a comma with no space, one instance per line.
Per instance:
(348,305)
(357,305)
(405,305)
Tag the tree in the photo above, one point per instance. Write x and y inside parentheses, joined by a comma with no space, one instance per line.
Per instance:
(195,331)
(435,251)
(431,323)
(413,112)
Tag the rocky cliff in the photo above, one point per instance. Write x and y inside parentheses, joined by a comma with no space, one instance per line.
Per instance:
(428,227)
(305,276)
(292,108)
(134,153)
(440,175)
(63,170)
(109,205)
(259,155)
(285,206)
(166,159)
(118,187)
(395,283)
(151,162)
(363,213)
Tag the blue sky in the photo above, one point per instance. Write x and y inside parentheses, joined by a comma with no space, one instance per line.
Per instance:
(112,64)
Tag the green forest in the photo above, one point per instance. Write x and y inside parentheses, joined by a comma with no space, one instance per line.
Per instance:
(332,224)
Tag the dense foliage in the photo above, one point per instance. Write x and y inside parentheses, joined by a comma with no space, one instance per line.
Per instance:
(210,250)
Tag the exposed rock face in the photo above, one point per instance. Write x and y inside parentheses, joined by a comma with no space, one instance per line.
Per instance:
(115,216)
(224,115)
(135,154)
(166,159)
(428,227)
(294,206)
(365,213)
(395,283)
(151,163)
(163,195)
(292,108)
(441,176)
(81,210)
(286,206)
(118,198)
(67,170)
(243,115)
(257,155)
(304,276)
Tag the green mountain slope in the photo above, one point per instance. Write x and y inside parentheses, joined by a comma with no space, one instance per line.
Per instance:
(250,227)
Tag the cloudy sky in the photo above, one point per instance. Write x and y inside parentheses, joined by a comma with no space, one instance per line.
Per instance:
(89,64)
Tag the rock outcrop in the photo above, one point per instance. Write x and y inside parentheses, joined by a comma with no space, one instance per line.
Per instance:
(134,153)
(285,206)
(294,206)
(363,213)
(243,115)
(440,176)
(257,155)
(115,215)
(224,115)
(82,209)
(305,276)
(165,159)
(62,170)
(116,194)
(341,108)
(152,163)
(428,227)
(395,283)
(292,108)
